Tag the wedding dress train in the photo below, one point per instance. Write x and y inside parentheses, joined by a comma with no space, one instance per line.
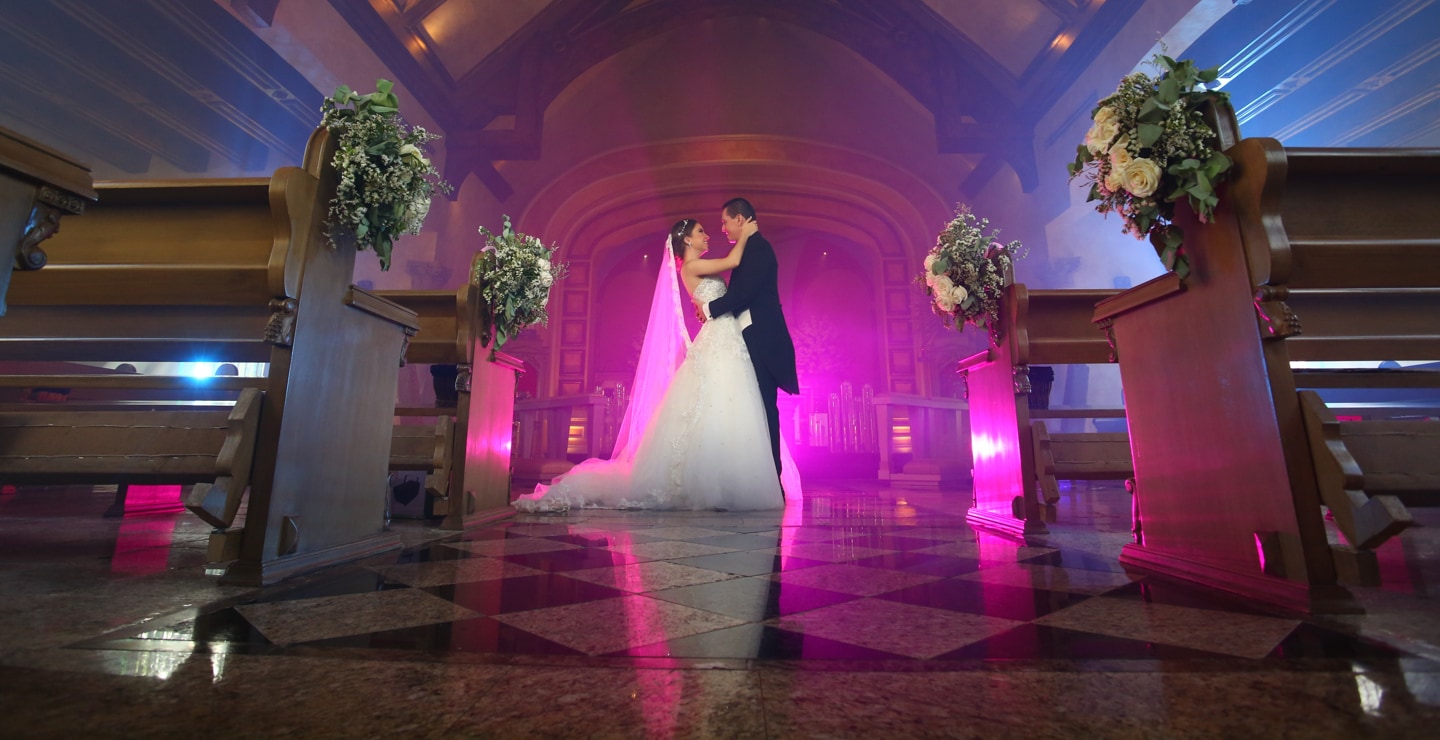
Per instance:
(706,447)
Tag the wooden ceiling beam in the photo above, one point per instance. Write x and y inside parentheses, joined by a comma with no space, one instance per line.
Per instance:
(423,80)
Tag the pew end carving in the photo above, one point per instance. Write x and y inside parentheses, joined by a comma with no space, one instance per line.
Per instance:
(38,186)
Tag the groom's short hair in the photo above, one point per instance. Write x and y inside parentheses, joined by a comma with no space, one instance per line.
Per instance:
(739,207)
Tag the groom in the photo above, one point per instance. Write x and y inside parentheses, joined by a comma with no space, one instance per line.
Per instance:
(754,288)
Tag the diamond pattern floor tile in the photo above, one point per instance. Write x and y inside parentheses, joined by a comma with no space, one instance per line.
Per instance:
(288,622)
(753,599)
(852,579)
(914,631)
(650,576)
(601,627)
(1244,635)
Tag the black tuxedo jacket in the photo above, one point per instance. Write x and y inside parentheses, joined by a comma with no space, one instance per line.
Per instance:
(754,285)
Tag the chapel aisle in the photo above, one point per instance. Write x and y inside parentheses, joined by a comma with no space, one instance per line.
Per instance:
(859,611)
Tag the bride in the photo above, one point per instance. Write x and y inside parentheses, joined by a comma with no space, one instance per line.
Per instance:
(695,435)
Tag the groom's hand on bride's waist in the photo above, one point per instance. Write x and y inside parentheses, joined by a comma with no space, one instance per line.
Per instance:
(700,312)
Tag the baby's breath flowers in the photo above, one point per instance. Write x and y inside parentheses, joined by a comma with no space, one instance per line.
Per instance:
(966,270)
(386,179)
(515,273)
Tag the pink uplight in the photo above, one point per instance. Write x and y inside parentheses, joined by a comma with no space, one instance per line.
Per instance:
(985,446)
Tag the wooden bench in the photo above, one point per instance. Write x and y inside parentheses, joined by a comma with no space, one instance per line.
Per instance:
(1372,470)
(472,481)
(428,449)
(1078,456)
(210,450)
(235,271)
(1039,327)
(1314,255)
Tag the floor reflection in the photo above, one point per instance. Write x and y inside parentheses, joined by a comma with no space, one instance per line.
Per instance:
(851,581)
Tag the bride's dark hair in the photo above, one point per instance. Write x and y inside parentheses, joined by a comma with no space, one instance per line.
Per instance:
(682,228)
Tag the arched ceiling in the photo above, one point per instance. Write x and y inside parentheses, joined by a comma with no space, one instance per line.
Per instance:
(984,71)
(167,88)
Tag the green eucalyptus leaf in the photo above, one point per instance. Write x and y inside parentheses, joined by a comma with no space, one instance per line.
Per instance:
(1153,111)
(1149,133)
(1169,90)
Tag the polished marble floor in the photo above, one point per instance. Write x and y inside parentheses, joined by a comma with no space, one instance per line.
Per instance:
(859,611)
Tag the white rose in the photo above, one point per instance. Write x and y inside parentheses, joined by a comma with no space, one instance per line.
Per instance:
(929,263)
(545,279)
(1098,138)
(942,285)
(945,304)
(1120,153)
(415,152)
(1114,181)
(1108,114)
(544,265)
(958,294)
(1141,177)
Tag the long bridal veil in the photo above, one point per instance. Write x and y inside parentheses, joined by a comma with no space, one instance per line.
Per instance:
(666,342)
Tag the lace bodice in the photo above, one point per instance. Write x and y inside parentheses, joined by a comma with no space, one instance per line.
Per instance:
(710,288)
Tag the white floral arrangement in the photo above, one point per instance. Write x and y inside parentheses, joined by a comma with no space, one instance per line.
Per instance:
(1148,147)
(966,271)
(386,179)
(515,273)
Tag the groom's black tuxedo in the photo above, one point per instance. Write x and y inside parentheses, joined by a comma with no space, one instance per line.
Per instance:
(754,285)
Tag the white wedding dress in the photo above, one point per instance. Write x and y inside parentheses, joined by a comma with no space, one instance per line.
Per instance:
(707,446)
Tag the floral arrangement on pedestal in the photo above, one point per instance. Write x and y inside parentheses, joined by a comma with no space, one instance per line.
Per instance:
(386,179)
(1149,146)
(967,270)
(515,273)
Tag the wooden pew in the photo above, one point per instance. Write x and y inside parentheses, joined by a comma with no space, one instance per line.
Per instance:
(238,271)
(1372,470)
(1040,327)
(1314,254)
(210,449)
(37,187)
(474,487)
(1078,456)
(428,449)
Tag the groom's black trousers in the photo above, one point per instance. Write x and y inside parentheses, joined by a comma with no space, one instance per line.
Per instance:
(769,395)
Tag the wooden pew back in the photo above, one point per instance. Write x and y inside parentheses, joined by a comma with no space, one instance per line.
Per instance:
(241,271)
(454,330)
(1312,255)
